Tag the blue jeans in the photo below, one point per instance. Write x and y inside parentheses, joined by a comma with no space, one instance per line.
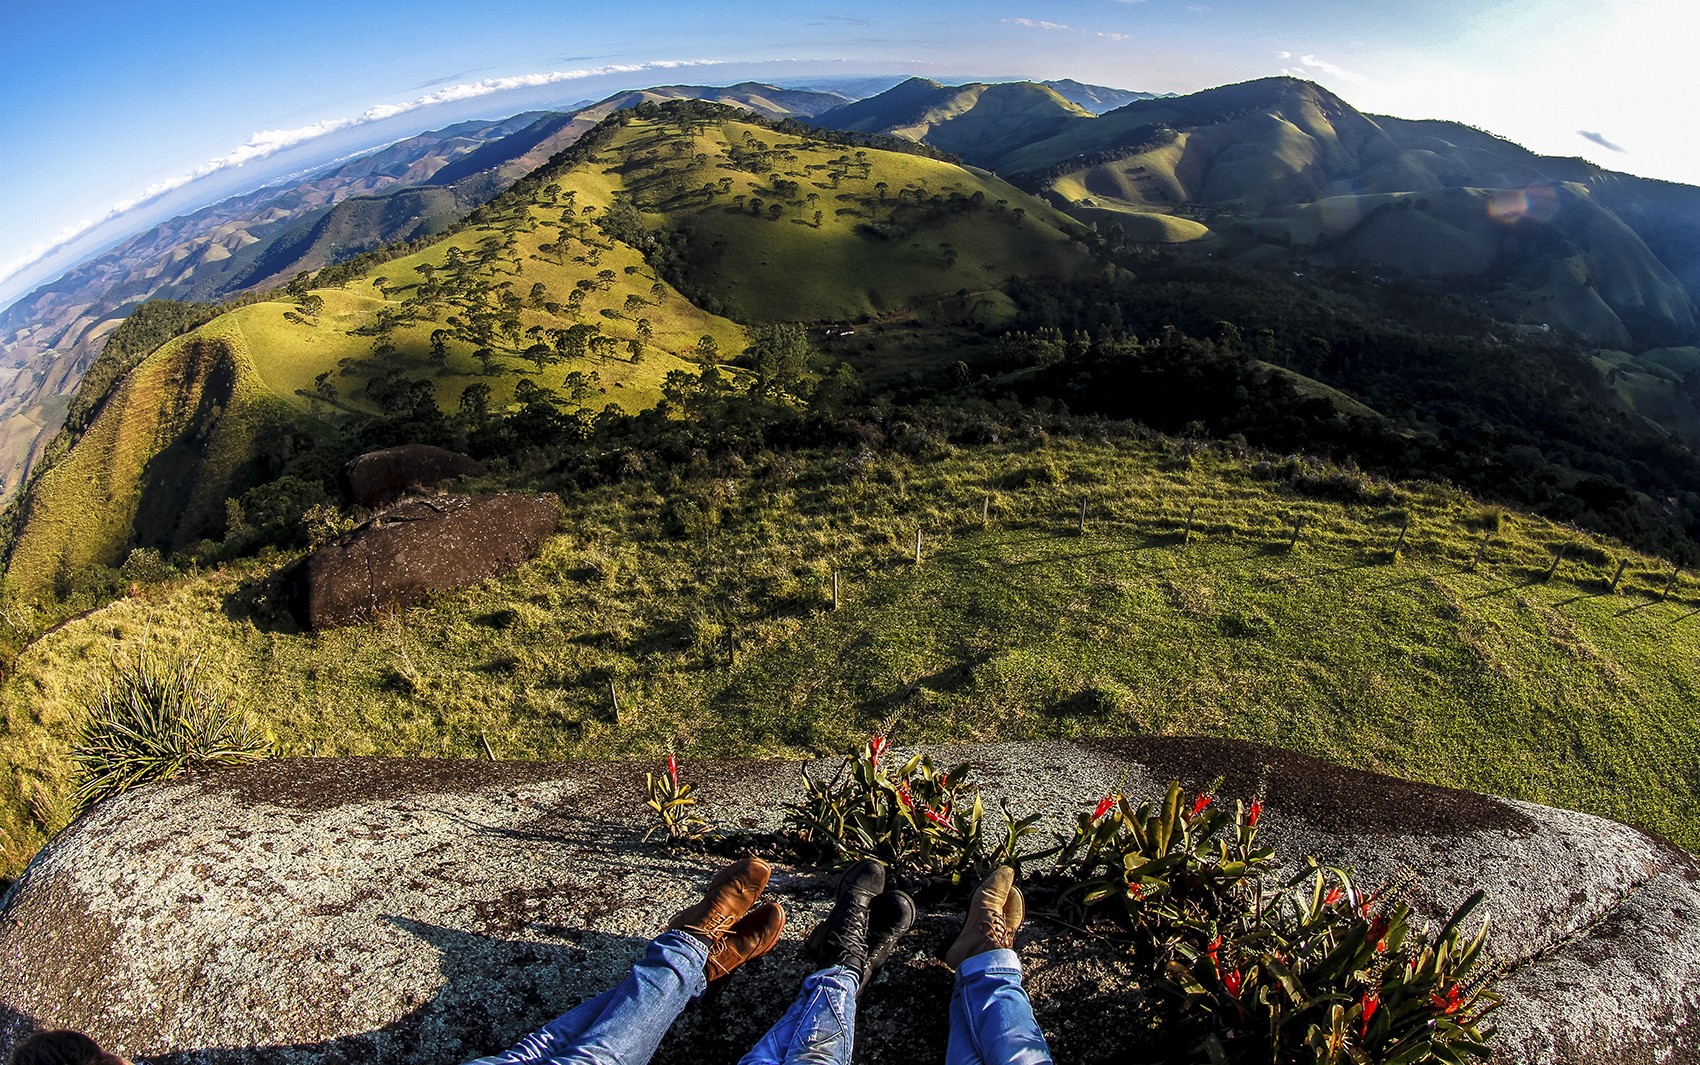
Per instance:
(625,1025)
(991,1022)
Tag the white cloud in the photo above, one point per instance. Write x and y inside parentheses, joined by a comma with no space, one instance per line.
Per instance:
(1333,70)
(1283,55)
(1035,24)
(268,142)
(1116,36)
(37,253)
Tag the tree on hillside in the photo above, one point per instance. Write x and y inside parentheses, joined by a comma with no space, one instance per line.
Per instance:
(474,411)
(779,354)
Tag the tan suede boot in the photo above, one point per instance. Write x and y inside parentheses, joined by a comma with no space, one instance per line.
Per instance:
(994,915)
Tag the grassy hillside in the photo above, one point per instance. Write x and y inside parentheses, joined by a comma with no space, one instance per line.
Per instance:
(565,286)
(774,225)
(977,122)
(703,595)
(1280,165)
(179,433)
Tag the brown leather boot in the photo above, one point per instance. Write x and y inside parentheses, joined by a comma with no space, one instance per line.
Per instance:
(994,915)
(730,895)
(754,935)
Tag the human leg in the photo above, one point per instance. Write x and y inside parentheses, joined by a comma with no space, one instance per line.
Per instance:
(991,1019)
(704,942)
(819,1028)
(624,1025)
(852,943)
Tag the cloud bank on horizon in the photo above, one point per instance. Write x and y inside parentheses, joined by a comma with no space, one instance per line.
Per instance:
(266,143)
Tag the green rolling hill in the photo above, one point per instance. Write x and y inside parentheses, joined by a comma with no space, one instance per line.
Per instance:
(981,123)
(571,283)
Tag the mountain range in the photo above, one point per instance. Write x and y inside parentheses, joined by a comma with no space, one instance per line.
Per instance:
(1277,177)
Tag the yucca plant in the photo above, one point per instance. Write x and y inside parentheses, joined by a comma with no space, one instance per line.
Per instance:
(155,720)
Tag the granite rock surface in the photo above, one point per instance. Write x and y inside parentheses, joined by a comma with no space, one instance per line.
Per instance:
(347,910)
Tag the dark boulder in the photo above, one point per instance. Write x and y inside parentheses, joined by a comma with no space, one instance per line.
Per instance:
(362,910)
(380,477)
(405,554)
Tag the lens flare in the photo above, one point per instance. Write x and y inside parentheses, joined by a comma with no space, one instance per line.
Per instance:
(1537,203)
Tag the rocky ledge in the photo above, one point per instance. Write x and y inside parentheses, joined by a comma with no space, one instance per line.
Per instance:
(398,910)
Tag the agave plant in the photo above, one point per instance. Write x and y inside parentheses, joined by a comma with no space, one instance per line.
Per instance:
(155,720)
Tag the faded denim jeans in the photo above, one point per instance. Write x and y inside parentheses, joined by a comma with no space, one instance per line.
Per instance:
(991,1022)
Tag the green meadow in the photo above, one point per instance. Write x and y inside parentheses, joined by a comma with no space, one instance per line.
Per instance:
(701,600)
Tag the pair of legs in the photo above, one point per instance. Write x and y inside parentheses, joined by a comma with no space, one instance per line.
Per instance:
(991,1020)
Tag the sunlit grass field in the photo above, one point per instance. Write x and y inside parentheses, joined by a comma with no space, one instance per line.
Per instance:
(703,602)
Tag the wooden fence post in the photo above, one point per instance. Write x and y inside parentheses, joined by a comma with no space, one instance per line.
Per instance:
(1083,517)
(1298,527)
(1186,537)
(614,697)
(835,589)
(1400,546)
(1668,582)
(986,510)
(917,546)
(1617,576)
(1556,559)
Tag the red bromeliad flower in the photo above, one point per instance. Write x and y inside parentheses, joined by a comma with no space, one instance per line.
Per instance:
(876,747)
(1452,1001)
(673,768)
(1378,932)
(1369,1003)
(1200,803)
(1232,981)
(1136,890)
(1255,813)
(1363,906)
(1334,896)
(1213,951)
(1104,805)
(940,819)
(904,797)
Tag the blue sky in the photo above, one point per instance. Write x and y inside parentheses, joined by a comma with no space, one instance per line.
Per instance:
(109,109)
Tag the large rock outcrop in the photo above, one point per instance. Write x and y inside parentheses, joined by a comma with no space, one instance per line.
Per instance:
(391,910)
(381,477)
(405,554)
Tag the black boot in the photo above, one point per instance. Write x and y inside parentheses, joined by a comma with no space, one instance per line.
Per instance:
(889,916)
(842,939)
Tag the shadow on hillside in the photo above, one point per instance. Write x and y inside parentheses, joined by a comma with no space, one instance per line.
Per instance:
(263,602)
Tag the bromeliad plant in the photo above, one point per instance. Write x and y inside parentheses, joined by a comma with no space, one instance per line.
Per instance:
(1323,974)
(1308,970)
(1162,868)
(672,803)
(914,817)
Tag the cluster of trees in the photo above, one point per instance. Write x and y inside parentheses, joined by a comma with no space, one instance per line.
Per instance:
(1528,422)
